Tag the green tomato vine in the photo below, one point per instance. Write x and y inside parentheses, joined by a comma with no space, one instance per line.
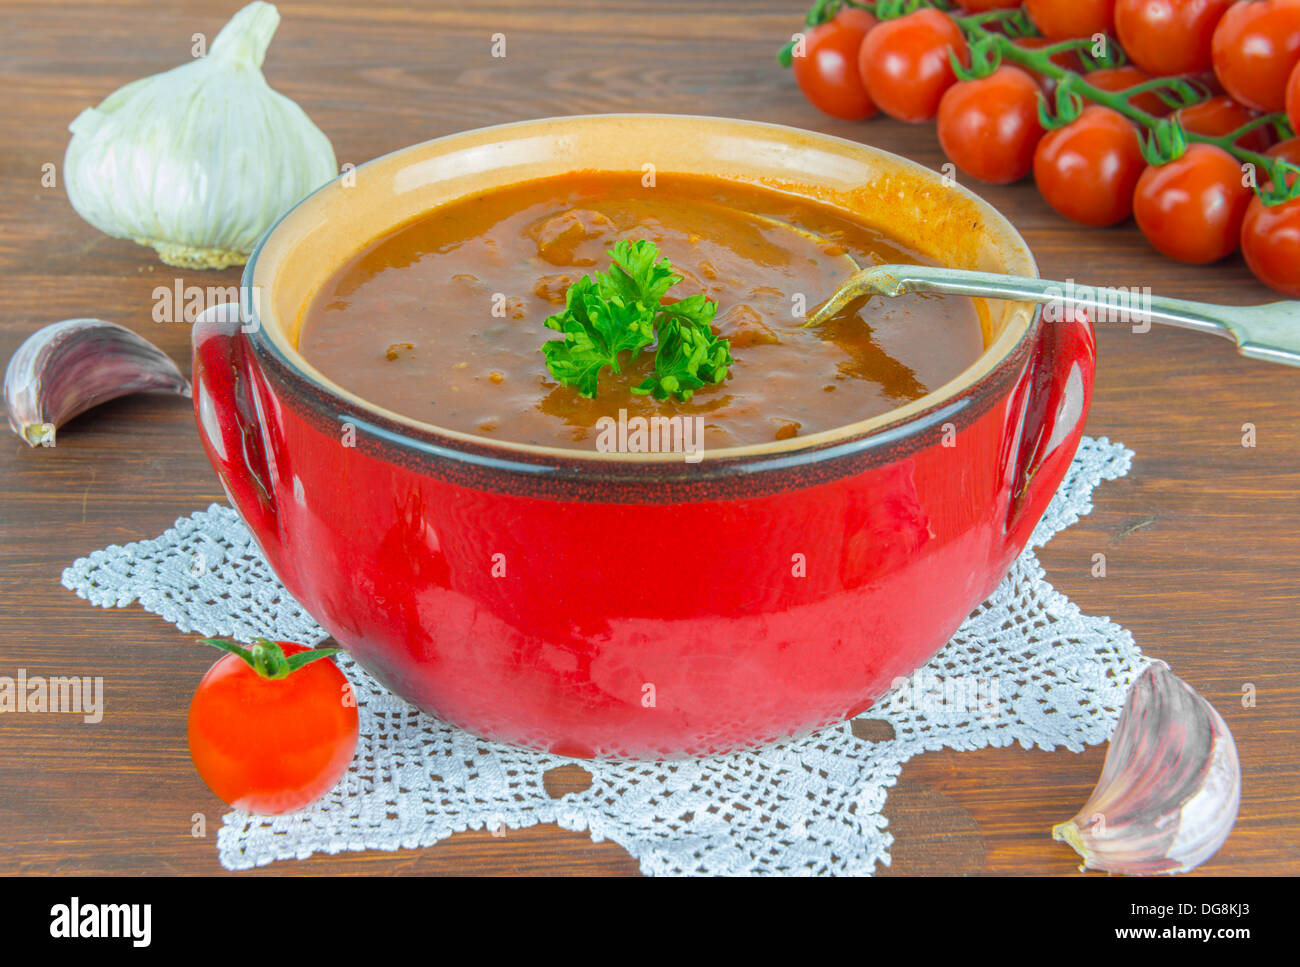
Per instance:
(1163,139)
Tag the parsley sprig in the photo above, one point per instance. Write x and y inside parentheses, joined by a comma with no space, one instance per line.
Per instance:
(621,311)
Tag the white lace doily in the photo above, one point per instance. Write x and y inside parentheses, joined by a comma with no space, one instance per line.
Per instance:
(1025,667)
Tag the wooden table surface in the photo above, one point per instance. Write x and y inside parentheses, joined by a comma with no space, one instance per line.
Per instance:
(1201,540)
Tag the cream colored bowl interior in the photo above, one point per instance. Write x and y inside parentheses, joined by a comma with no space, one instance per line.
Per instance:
(915,205)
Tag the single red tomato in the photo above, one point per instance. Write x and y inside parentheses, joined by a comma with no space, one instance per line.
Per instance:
(1168,36)
(904,63)
(1270,234)
(1088,169)
(1068,19)
(1123,78)
(1222,115)
(1066,58)
(827,71)
(1293,98)
(1270,241)
(1191,208)
(989,127)
(1256,46)
(269,731)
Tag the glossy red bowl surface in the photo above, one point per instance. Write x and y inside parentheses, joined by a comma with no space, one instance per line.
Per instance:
(628,605)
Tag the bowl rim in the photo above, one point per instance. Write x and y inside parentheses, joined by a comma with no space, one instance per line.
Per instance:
(1004,352)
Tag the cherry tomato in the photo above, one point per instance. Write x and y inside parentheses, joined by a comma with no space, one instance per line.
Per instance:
(1256,46)
(989,127)
(1088,169)
(1123,78)
(827,73)
(272,745)
(1293,99)
(1066,58)
(1222,115)
(1270,241)
(1191,208)
(904,63)
(1266,230)
(1168,36)
(1067,19)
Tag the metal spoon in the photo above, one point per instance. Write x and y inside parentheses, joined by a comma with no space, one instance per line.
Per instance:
(1270,332)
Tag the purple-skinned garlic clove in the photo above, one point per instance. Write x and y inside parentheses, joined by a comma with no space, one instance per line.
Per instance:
(67,367)
(1170,786)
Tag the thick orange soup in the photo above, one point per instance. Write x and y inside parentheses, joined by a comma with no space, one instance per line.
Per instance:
(445,320)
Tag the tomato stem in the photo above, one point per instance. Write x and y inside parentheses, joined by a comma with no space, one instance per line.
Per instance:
(1163,139)
(267,658)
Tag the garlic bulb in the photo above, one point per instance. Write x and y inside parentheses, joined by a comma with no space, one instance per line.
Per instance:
(200,160)
(1170,786)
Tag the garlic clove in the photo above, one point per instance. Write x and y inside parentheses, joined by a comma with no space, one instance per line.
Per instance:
(199,161)
(1169,789)
(67,367)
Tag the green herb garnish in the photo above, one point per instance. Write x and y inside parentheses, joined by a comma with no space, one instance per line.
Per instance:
(621,311)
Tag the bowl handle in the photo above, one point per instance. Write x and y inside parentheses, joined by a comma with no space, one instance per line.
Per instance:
(1058,391)
(229,424)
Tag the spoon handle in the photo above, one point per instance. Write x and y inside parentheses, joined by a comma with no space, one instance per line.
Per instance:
(1269,332)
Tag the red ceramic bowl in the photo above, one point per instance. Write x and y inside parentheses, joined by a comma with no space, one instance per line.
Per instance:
(635,605)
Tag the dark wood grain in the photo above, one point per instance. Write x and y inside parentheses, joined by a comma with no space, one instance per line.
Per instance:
(1202,539)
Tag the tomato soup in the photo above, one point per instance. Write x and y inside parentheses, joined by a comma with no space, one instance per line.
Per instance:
(442,320)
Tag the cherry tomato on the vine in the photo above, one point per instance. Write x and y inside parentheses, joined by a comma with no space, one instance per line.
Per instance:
(1293,99)
(1067,19)
(1270,234)
(1088,169)
(989,127)
(1270,241)
(1168,36)
(272,744)
(904,63)
(1191,208)
(827,71)
(1123,78)
(1222,115)
(1256,46)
